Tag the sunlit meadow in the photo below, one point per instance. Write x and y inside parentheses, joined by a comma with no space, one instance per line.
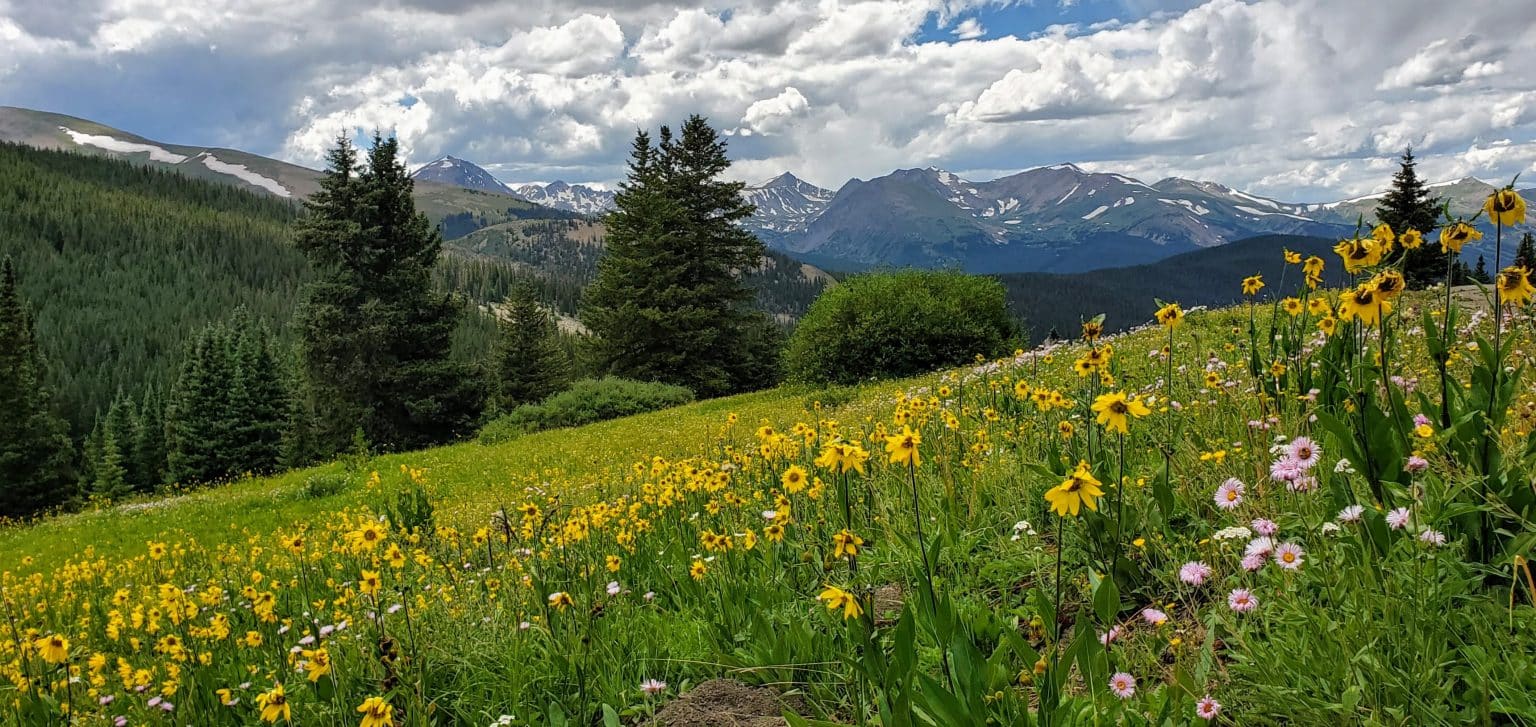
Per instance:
(1315,511)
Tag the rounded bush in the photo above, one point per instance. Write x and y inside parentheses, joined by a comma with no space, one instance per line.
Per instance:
(900,323)
(587,401)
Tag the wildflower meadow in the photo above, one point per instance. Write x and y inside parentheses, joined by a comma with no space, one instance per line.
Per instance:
(1313,511)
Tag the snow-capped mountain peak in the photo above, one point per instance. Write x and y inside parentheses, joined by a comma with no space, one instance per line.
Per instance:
(459,173)
(785,205)
(578,198)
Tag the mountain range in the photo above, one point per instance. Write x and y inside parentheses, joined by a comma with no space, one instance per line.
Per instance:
(577,198)
(1057,218)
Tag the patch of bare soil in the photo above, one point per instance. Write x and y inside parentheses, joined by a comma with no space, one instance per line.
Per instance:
(888,602)
(727,703)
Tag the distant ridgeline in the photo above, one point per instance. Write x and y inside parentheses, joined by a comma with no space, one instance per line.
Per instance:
(1127,296)
(123,263)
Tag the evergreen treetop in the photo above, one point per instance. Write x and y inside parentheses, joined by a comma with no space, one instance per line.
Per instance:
(1409,206)
(529,362)
(668,303)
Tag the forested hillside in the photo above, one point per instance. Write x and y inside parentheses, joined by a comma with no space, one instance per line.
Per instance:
(1128,295)
(122,263)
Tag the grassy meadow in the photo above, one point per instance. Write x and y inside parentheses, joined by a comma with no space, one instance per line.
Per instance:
(1255,515)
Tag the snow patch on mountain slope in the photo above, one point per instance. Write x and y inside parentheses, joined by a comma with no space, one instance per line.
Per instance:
(1262,213)
(120,146)
(1101,209)
(244,174)
(1198,209)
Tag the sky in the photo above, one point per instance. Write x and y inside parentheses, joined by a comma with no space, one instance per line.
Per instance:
(1300,100)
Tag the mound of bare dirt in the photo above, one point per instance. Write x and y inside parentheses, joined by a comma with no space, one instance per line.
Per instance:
(727,703)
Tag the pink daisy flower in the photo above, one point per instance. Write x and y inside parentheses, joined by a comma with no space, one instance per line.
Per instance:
(653,687)
(1351,514)
(1416,464)
(1194,572)
(1285,469)
(1241,600)
(1398,518)
(1254,561)
(1289,556)
(1123,685)
(1432,537)
(1207,708)
(1154,616)
(1264,526)
(1260,546)
(1109,638)
(1304,452)
(1230,494)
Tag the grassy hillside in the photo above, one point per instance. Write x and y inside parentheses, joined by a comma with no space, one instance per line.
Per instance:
(560,571)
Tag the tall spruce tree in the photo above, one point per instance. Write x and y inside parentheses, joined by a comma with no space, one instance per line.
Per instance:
(668,303)
(122,429)
(375,336)
(198,424)
(529,362)
(35,450)
(111,475)
(149,447)
(1408,205)
(258,399)
(90,456)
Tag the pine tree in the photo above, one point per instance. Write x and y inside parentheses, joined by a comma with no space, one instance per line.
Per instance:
(1407,205)
(90,456)
(149,447)
(199,428)
(1525,254)
(1480,273)
(122,430)
(35,450)
(111,481)
(375,335)
(529,361)
(668,303)
(258,400)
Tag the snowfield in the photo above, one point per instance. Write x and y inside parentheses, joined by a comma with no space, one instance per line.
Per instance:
(123,147)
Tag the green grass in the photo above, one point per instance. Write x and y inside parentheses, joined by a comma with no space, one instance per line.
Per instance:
(467,479)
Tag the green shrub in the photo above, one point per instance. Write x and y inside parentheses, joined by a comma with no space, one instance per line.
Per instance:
(324,485)
(587,401)
(900,323)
